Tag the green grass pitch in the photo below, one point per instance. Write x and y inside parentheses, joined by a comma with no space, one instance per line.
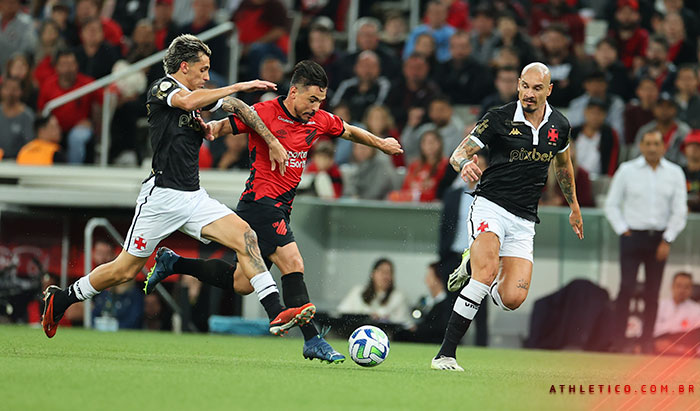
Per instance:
(81,369)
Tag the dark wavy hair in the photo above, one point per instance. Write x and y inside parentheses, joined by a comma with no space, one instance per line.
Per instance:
(369,293)
(309,73)
(185,47)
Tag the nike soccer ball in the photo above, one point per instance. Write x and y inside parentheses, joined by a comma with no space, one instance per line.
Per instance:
(368,346)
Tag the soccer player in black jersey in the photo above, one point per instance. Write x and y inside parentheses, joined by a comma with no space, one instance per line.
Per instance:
(171,198)
(523,138)
(266,203)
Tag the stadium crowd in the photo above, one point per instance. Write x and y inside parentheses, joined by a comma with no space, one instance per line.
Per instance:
(424,85)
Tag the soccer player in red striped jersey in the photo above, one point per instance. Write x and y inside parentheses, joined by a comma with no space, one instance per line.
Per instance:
(266,203)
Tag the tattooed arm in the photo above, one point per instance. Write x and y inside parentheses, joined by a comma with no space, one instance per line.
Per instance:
(564,171)
(465,161)
(278,155)
(361,136)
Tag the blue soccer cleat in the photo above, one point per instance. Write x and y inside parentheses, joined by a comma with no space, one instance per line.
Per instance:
(318,347)
(165,258)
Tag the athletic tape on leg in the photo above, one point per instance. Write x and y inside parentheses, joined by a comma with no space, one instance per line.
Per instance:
(496,297)
(470,298)
(264,284)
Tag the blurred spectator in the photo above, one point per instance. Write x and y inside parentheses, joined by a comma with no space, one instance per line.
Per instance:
(45,149)
(50,41)
(514,8)
(379,298)
(95,57)
(506,84)
(343,148)
(425,46)
(435,25)
(323,52)
(366,88)
(271,69)
(127,141)
(483,34)
(16,31)
(124,302)
(163,25)
(368,32)
(378,121)
(509,35)
(18,67)
(638,111)
(631,38)
(657,65)
(448,126)
(646,206)
(203,20)
(143,44)
(681,49)
(597,144)
(677,328)
(126,13)
(565,69)
(505,57)
(331,14)
(457,14)
(558,12)
(236,154)
(463,78)
(605,59)
(262,30)
(432,312)
(690,17)
(16,118)
(371,176)
(395,32)
(692,170)
(154,316)
(60,12)
(75,116)
(322,177)
(552,194)
(687,96)
(672,130)
(424,174)
(596,86)
(86,10)
(412,90)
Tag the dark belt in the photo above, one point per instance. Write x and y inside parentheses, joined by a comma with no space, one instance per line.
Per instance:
(650,233)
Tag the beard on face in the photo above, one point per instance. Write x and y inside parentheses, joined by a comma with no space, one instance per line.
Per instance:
(628,26)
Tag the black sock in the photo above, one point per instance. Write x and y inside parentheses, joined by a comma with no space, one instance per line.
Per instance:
(272,305)
(62,300)
(218,273)
(456,328)
(295,295)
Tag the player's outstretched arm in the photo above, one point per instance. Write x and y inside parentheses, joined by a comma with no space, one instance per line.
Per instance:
(465,161)
(359,135)
(278,155)
(192,100)
(564,171)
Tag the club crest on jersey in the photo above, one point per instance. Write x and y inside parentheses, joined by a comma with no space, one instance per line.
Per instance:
(515,132)
(553,136)
(140,243)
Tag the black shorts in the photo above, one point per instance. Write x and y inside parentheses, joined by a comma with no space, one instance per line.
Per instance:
(271,224)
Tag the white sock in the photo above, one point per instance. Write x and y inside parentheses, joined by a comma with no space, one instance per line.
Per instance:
(470,298)
(83,289)
(496,296)
(264,284)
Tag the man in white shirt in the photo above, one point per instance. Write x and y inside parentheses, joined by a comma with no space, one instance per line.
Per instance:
(646,206)
(677,328)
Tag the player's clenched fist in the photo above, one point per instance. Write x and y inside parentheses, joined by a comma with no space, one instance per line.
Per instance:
(391,146)
(470,170)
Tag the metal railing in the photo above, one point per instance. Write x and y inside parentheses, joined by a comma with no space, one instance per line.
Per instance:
(139,65)
(90,227)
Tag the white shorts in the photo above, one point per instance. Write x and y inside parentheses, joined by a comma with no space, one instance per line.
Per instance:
(516,234)
(161,211)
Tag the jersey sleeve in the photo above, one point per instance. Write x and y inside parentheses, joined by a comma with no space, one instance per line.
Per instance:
(162,92)
(564,142)
(333,125)
(484,130)
(214,106)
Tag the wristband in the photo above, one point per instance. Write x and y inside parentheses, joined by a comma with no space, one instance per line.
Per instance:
(463,163)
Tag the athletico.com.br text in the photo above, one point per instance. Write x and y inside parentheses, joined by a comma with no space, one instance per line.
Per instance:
(623,389)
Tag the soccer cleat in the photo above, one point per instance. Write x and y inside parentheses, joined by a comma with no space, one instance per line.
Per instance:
(165,258)
(460,276)
(291,317)
(445,364)
(318,347)
(48,321)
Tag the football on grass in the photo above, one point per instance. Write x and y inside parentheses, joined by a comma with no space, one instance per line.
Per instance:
(368,346)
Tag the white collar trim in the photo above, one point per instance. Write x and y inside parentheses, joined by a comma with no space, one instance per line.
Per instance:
(520,116)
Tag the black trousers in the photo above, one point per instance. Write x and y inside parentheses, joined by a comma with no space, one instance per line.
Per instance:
(636,249)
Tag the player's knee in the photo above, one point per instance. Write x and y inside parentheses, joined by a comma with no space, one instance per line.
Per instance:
(513,301)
